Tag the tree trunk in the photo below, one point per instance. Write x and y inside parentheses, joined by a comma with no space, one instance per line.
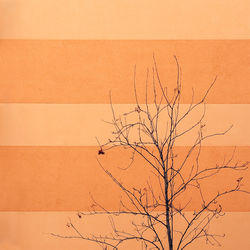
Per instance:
(170,240)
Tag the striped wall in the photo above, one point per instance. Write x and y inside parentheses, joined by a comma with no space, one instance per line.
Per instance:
(58,62)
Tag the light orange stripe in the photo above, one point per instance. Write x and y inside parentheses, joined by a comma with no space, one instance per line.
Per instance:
(111,19)
(61,178)
(30,230)
(80,124)
(34,71)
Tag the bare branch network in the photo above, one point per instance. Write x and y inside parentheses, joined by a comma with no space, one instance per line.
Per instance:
(151,131)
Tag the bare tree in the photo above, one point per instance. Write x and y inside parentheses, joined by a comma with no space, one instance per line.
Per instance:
(151,131)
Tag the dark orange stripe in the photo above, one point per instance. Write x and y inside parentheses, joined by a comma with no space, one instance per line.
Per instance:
(61,178)
(36,71)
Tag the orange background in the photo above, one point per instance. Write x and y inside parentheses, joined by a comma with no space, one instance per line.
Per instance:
(124,19)
(85,71)
(62,178)
(58,55)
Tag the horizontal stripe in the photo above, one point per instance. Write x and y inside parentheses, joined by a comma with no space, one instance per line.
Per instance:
(109,19)
(62,178)
(80,124)
(85,71)
(29,231)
